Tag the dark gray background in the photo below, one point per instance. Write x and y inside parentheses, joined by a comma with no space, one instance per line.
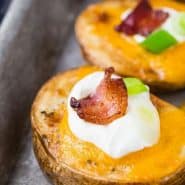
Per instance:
(3,8)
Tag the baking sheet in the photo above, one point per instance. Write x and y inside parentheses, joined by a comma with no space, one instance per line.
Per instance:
(32,38)
(36,41)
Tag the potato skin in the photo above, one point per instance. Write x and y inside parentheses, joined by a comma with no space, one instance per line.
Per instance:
(60,174)
(57,170)
(101,45)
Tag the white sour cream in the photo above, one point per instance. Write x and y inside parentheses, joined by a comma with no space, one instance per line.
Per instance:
(137,129)
(170,24)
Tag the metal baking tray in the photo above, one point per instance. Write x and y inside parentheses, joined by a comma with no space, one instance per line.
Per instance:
(36,41)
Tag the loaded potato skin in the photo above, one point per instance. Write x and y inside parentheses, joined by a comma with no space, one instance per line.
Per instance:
(67,160)
(103,46)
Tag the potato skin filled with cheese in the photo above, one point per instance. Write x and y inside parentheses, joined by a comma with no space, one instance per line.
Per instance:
(103,46)
(68,160)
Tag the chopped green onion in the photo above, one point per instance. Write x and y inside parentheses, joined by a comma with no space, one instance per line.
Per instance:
(134,86)
(158,41)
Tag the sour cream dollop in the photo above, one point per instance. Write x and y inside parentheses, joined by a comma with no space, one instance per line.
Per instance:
(137,129)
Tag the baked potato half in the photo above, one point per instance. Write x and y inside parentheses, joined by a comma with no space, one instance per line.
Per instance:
(103,46)
(68,160)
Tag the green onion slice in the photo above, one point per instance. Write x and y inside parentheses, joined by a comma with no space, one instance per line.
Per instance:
(134,86)
(158,41)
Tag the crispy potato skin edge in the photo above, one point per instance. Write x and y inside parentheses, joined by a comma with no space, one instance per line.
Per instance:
(63,175)
(156,87)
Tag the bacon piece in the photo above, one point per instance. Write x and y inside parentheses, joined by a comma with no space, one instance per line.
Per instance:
(142,20)
(108,103)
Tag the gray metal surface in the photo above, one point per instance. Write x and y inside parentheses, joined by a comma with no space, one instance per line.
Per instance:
(36,41)
(32,38)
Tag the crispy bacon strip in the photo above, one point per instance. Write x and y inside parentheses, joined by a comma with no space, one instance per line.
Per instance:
(142,20)
(108,103)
